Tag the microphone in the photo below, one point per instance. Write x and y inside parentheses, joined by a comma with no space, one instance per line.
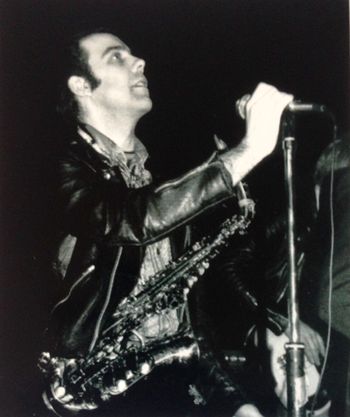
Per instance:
(293,107)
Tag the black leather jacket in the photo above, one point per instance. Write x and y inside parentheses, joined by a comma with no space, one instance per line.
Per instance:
(112,224)
(315,277)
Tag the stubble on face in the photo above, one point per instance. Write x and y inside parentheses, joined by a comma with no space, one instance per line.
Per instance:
(122,87)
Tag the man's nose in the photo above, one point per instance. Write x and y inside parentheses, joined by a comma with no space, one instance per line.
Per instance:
(139,65)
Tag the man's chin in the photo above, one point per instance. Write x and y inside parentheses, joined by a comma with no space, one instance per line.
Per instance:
(138,108)
(145,107)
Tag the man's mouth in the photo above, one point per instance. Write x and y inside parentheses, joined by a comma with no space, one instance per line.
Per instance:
(141,83)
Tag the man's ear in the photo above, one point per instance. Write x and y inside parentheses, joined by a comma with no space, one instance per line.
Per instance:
(79,86)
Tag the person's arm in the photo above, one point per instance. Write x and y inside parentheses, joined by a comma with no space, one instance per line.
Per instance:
(105,208)
(101,208)
(263,112)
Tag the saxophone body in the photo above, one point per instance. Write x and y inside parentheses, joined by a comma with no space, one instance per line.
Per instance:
(114,365)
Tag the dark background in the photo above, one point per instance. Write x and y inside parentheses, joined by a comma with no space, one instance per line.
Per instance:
(201,56)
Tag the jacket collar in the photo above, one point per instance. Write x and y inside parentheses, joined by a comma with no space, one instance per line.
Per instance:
(101,154)
(109,151)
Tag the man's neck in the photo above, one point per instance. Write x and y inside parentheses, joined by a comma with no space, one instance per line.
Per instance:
(120,130)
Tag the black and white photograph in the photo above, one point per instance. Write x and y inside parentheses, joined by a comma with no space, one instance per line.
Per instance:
(175,208)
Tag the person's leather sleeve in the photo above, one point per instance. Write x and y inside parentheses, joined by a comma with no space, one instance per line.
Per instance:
(105,208)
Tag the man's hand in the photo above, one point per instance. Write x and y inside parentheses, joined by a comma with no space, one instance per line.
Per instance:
(263,114)
(248,410)
(314,345)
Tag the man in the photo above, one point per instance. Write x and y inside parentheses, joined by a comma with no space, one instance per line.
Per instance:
(118,228)
(326,274)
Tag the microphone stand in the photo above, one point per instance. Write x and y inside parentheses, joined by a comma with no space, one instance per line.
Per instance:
(296,390)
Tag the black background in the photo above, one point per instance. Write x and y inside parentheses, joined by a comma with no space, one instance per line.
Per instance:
(201,56)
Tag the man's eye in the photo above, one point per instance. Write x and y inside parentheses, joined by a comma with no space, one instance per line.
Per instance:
(117,56)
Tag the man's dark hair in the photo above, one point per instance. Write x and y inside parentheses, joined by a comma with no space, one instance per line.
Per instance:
(76,61)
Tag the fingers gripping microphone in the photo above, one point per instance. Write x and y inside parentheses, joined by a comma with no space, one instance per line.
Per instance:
(293,107)
(241,106)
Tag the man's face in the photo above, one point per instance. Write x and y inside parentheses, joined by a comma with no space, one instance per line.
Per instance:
(123,86)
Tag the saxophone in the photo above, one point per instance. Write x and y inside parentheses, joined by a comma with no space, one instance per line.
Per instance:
(113,365)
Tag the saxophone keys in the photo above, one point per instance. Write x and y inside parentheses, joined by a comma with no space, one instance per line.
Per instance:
(90,406)
(201,270)
(129,374)
(197,246)
(117,388)
(122,385)
(60,392)
(192,279)
(145,368)
(105,396)
(112,355)
(100,355)
(109,349)
(205,264)
(67,398)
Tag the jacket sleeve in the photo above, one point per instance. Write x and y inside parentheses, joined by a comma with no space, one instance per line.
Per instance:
(104,208)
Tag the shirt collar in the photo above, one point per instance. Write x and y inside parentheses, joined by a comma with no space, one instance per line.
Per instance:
(110,151)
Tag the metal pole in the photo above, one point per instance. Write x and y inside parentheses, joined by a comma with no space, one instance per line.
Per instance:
(296,390)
